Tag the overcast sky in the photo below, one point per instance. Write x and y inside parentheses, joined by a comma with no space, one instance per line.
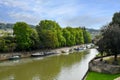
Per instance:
(89,13)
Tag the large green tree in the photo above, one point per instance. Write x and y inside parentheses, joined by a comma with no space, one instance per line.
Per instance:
(49,39)
(72,35)
(47,25)
(47,31)
(35,39)
(23,34)
(67,35)
(87,36)
(79,36)
(61,38)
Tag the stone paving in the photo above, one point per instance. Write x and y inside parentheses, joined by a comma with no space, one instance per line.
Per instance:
(117,78)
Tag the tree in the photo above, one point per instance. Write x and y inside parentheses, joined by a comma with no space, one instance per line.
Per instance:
(7,44)
(48,30)
(116,18)
(64,37)
(79,36)
(86,35)
(110,40)
(61,38)
(49,39)
(35,39)
(47,25)
(113,37)
(23,35)
(72,35)
(67,36)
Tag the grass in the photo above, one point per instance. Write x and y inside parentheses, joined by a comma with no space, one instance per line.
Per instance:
(101,76)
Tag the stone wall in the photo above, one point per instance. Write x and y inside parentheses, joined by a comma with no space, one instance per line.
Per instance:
(103,67)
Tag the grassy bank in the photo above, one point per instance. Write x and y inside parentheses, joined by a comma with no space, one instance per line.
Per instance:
(101,76)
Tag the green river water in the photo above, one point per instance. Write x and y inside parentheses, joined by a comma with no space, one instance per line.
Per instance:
(71,66)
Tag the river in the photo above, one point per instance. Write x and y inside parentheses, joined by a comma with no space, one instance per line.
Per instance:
(56,67)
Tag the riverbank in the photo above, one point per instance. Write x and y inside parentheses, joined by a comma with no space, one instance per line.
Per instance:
(105,66)
(103,70)
(5,56)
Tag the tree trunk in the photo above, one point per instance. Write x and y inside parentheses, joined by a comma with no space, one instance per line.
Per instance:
(115,57)
(101,57)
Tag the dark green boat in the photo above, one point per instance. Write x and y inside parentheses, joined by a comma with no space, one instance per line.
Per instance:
(14,57)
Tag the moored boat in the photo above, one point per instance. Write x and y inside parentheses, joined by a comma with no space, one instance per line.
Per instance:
(37,55)
(42,54)
(14,57)
(49,53)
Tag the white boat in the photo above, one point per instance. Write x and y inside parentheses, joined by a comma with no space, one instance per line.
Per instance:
(37,55)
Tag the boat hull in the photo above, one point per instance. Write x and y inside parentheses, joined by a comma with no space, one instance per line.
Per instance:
(14,57)
(42,55)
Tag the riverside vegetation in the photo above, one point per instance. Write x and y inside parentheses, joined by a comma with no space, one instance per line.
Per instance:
(109,44)
(46,35)
(109,40)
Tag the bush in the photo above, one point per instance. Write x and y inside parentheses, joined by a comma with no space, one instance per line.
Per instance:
(7,44)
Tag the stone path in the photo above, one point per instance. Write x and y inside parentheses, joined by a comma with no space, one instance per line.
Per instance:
(117,78)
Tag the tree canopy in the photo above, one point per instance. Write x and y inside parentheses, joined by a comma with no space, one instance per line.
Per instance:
(24,35)
(64,36)
(110,39)
(47,34)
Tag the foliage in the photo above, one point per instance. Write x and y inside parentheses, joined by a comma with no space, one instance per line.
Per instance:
(47,31)
(86,35)
(116,18)
(48,34)
(73,36)
(35,39)
(67,36)
(110,40)
(23,34)
(61,38)
(7,44)
(79,36)
(50,39)
(47,25)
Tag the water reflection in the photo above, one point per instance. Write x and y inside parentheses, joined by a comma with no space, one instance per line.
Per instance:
(11,77)
(62,67)
(36,78)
